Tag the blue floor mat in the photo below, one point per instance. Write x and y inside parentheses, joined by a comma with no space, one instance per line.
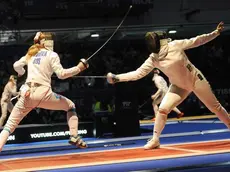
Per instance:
(172,164)
(139,143)
(186,127)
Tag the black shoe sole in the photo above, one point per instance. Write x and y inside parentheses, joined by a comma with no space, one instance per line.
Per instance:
(80,146)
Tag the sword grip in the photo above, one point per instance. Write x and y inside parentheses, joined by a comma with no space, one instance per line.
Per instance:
(85,62)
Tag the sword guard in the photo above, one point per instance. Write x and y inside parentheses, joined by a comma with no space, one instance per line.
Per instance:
(85,62)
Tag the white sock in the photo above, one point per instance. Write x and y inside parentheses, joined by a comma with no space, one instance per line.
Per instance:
(159,125)
(73,123)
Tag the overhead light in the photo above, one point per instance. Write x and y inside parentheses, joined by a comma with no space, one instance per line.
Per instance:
(172,31)
(95,35)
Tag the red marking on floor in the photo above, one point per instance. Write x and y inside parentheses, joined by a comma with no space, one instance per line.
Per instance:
(3,168)
(89,158)
(209,146)
(115,156)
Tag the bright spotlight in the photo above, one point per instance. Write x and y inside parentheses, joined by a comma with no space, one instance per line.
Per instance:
(172,31)
(95,35)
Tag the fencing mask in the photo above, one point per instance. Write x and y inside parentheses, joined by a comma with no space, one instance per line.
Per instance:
(154,40)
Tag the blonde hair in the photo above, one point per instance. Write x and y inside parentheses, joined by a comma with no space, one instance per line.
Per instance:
(38,44)
(12,78)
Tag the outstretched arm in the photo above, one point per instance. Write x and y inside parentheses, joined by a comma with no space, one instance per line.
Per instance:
(142,71)
(199,40)
(66,73)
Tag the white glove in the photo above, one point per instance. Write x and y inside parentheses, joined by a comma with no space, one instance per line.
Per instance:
(83,64)
(112,78)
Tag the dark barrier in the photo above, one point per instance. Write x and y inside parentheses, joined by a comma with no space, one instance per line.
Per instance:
(36,133)
(104,124)
(126,110)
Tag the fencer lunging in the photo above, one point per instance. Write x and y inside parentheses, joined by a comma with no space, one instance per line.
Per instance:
(10,90)
(41,63)
(184,77)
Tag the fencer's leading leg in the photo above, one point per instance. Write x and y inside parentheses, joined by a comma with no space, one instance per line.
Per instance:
(55,101)
(5,106)
(73,127)
(72,120)
(4,113)
(173,97)
(17,114)
(204,92)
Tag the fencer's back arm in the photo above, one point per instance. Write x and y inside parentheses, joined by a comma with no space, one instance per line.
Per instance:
(19,65)
(142,71)
(14,90)
(11,88)
(59,70)
(196,41)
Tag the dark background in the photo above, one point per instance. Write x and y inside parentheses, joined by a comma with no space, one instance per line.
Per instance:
(74,21)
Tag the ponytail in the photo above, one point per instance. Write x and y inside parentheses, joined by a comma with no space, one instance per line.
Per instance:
(33,50)
(38,44)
